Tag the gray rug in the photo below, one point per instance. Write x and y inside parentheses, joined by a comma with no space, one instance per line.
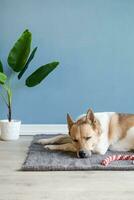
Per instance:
(39,159)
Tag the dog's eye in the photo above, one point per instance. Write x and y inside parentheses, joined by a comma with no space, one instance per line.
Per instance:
(87,138)
(75,140)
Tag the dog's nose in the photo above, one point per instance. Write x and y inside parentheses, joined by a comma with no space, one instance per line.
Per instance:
(82,154)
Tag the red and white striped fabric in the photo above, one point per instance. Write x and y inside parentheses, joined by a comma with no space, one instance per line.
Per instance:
(111,158)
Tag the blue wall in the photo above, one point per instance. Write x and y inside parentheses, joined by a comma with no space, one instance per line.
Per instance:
(94,42)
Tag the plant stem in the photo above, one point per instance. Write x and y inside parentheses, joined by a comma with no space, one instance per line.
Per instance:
(9,96)
(9,113)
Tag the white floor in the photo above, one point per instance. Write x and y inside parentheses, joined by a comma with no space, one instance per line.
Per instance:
(83,185)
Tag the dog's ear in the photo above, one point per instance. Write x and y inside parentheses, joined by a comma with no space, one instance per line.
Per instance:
(90,116)
(70,122)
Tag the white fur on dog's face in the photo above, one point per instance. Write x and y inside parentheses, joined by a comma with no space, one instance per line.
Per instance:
(85,132)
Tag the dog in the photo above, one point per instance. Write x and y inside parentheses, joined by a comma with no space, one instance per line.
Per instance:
(95,133)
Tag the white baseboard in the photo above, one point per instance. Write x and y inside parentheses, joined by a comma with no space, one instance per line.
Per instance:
(33,129)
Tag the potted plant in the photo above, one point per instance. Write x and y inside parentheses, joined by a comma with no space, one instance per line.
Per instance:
(18,60)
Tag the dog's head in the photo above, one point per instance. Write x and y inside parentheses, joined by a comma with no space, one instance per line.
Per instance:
(85,133)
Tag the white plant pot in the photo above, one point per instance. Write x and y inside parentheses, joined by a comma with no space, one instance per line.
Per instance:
(10,130)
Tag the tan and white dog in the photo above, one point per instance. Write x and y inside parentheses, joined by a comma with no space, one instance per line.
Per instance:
(95,133)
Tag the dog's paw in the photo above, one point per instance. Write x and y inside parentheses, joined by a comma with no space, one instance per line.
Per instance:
(42,141)
(49,147)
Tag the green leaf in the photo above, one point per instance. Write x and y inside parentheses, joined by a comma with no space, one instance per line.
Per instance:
(1,66)
(42,72)
(27,63)
(3,78)
(19,53)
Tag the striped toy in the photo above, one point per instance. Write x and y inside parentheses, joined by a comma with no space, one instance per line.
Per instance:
(112,158)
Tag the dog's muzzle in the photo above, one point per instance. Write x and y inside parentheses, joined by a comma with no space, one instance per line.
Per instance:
(84,154)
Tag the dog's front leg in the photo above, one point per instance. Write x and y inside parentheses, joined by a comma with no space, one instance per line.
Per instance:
(61,147)
(59,139)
